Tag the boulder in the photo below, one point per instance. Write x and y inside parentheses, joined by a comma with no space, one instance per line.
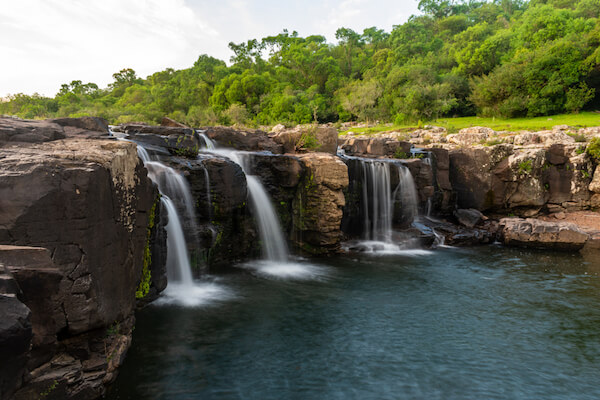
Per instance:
(542,234)
(469,217)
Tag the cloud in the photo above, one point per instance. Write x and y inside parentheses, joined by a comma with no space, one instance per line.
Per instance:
(49,42)
(45,43)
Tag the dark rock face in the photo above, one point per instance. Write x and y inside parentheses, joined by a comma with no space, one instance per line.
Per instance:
(15,335)
(17,130)
(242,140)
(280,175)
(220,193)
(177,141)
(470,174)
(93,124)
(83,204)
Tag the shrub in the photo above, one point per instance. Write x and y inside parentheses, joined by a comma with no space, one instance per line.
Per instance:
(593,148)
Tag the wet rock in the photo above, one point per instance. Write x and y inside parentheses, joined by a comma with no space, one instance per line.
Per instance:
(542,234)
(222,206)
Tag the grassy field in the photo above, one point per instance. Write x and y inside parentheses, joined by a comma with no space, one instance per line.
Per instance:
(581,120)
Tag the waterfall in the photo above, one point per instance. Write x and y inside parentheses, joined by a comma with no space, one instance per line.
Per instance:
(274,247)
(406,192)
(208,197)
(178,263)
(377,200)
(209,144)
(173,184)
(143,154)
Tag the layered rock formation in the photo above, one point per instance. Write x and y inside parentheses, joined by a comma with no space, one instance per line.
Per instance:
(74,212)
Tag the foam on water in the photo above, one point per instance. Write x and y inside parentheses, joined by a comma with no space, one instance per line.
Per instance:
(376,247)
(197,294)
(287,270)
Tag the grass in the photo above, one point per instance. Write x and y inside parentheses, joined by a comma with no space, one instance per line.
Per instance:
(453,125)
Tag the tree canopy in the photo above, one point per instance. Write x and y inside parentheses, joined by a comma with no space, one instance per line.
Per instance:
(504,58)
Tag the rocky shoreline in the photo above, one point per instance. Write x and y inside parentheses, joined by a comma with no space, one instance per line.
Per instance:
(81,225)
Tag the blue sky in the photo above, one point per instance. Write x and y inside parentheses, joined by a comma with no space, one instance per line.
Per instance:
(45,43)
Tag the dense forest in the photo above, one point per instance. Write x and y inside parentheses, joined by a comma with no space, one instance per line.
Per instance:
(505,58)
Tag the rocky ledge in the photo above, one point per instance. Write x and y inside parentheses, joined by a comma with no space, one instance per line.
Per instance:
(74,212)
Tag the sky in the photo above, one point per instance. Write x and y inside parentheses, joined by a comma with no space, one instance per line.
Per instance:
(45,43)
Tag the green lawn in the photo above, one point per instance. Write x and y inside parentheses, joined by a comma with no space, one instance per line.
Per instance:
(583,119)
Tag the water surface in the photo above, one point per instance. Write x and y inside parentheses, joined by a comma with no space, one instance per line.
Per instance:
(479,323)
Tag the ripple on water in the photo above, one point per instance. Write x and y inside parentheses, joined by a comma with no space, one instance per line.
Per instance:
(198,294)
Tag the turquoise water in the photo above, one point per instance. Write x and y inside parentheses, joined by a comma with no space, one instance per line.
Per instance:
(478,323)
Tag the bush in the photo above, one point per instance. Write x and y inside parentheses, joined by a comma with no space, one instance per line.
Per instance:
(593,148)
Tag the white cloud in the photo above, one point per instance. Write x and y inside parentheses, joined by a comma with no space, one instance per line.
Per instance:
(49,42)
(45,43)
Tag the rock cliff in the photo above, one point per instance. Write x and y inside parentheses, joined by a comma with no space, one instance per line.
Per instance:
(74,212)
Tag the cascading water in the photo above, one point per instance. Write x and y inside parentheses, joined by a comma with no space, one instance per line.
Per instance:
(208,144)
(274,246)
(406,192)
(181,288)
(379,205)
(174,185)
(377,200)
(273,242)
(177,257)
(276,262)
